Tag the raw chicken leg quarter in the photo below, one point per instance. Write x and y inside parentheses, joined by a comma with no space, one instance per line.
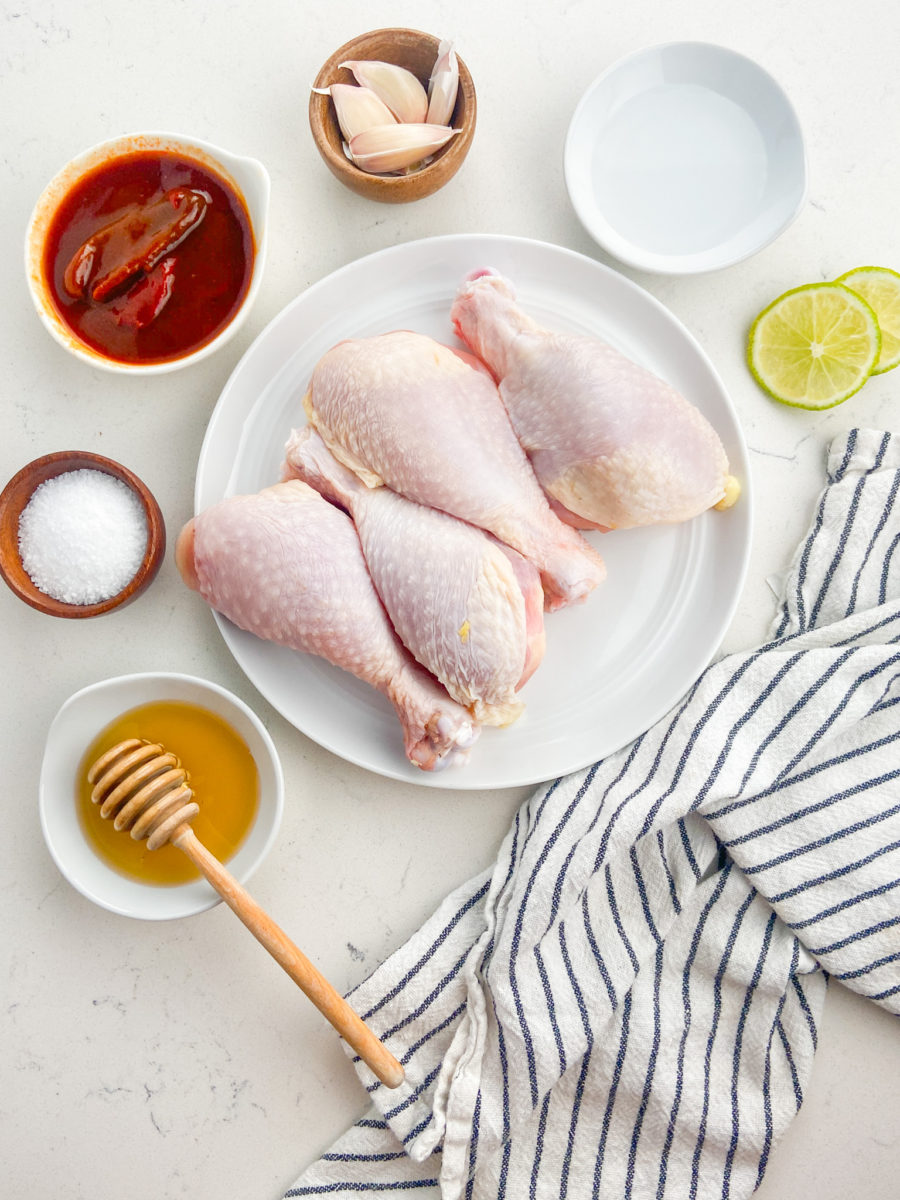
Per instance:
(613,445)
(287,566)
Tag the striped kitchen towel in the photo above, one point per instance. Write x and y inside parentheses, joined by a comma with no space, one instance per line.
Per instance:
(626,1005)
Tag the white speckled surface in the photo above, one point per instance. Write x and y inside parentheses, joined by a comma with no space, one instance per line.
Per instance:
(176,1060)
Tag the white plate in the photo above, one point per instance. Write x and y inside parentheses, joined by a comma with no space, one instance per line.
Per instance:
(613,665)
(684,158)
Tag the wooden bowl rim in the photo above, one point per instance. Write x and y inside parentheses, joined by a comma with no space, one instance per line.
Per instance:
(15,496)
(446,161)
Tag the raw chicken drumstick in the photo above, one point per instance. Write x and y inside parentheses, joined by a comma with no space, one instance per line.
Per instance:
(404,410)
(467,607)
(613,445)
(287,566)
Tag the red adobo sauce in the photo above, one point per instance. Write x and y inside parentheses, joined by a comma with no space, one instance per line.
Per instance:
(149,256)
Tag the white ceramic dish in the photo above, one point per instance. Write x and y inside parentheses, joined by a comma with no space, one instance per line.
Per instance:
(613,665)
(684,158)
(77,723)
(247,175)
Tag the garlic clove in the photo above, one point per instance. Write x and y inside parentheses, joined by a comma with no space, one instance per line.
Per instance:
(385,148)
(443,86)
(395,86)
(357,108)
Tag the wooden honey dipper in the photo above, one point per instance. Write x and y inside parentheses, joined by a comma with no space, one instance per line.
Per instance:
(144,789)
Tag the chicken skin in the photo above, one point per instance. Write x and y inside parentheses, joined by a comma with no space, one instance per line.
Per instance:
(467,607)
(286,565)
(612,445)
(401,409)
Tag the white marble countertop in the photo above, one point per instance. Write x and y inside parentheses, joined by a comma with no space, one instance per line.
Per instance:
(176,1060)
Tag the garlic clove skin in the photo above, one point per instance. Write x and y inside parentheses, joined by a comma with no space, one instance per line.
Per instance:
(385,148)
(357,108)
(395,86)
(443,86)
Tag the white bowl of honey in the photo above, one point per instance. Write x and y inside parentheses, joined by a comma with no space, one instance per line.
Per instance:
(233,770)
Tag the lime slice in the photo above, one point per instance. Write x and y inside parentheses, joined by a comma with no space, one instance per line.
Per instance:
(880,288)
(814,346)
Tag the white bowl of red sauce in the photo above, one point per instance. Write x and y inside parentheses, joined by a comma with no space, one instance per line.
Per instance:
(145,253)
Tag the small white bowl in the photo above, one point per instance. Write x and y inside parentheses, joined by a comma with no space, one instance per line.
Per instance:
(75,726)
(684,158)
(249,178)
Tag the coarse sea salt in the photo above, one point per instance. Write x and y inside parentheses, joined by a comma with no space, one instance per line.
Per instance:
(82,536)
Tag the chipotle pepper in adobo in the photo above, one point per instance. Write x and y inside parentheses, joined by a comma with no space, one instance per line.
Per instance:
(149,256)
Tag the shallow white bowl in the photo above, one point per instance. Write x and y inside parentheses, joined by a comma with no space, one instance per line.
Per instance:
(77,723)
(248,176)
(684,158)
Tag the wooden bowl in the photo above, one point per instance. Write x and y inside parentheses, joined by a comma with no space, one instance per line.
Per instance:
(417,52)
(16,495)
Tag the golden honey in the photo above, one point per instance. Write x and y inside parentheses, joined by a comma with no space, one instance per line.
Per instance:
(221,773)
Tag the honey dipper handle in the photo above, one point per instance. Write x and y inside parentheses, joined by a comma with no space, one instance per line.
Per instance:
(329,1002)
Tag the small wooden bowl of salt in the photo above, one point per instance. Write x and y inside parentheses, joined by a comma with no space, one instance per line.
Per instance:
(80,535)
